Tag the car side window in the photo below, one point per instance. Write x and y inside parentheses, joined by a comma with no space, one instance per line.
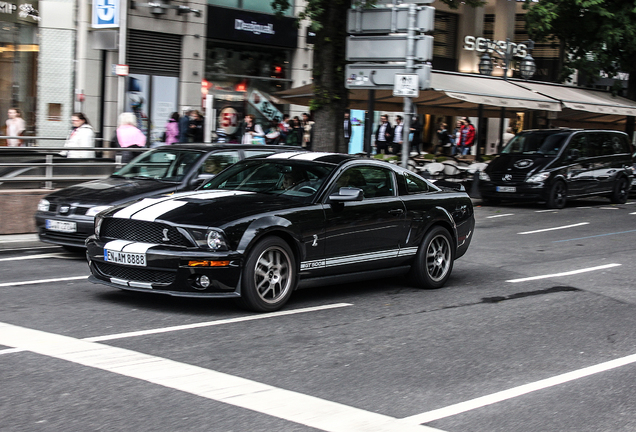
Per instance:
(218,161)
(415,185)
(374,181)
(579,142)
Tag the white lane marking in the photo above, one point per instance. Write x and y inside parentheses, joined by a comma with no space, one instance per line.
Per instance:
(30,257)
(501,215)
(633,213)
(573,272)
(201,324)
(41,281)
(284,404)
(480,402)
(608,208)
(214,323)
(545,211)
(555,228)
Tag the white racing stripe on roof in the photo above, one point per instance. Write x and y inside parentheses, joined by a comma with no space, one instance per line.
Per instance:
(155,211)
(311,155)
(285,155)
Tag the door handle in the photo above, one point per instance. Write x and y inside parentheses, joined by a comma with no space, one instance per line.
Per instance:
(396,212)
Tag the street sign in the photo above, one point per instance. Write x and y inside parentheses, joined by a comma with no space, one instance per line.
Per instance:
(380,20)
(406,85)
(105,13)
(120,69)
(382,76)
(388,48)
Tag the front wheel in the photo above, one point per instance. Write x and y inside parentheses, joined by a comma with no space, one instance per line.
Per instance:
(434,260)
(269,276)
(557,196)
(620,191)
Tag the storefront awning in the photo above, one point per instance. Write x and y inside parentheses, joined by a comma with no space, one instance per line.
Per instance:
(581,99)
(483,90)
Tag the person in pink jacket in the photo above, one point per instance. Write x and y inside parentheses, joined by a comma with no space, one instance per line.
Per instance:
(128,135)
(172,129)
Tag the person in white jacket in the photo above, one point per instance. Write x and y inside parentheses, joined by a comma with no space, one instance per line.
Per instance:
(82,135)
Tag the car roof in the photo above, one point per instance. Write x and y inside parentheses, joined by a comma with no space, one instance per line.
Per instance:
(228,146)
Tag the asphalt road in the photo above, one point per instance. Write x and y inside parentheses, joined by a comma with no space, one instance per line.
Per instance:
(535,331)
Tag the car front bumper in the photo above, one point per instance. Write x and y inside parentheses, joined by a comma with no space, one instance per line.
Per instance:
(83,228)
(167,272)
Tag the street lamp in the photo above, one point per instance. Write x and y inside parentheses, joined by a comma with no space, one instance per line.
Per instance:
(485,65)
(527,67)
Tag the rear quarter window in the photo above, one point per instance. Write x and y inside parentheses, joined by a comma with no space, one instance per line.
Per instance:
(415,185)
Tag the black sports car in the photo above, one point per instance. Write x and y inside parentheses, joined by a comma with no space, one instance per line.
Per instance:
(267,225)
(66,217)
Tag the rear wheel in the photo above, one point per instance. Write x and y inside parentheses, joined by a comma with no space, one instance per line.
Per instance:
(434,260)
(557,196)
(621,191)
(269,276)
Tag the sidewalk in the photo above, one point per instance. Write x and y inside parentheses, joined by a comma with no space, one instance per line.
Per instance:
(13,241)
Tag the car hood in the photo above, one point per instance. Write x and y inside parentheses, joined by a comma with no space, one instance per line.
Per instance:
(204,208)
(528,164)
(111,191)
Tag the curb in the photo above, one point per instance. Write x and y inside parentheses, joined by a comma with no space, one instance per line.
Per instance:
(14,241)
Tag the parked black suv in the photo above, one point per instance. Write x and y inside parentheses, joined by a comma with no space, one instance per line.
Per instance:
(553,165)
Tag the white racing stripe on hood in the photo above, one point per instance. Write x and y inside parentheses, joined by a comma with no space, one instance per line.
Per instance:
(204,195)
(128,211)
(117,245)
(155,211)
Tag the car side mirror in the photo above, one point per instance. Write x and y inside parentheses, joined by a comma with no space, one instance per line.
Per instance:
(347,194)
(200,179)
(574,154)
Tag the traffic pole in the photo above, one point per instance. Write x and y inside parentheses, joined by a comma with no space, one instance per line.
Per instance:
(410,68)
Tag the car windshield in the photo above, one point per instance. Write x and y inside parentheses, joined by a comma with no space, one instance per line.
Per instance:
(298,180)
(546,143)
(168,164)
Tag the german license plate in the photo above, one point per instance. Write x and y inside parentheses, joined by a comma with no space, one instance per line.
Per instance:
(132,259)
(506,189)
(61,226)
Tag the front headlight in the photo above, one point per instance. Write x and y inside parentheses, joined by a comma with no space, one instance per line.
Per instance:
(539,178)
(212,239)
(98,225)
(44,205)
(94,210)
(483,176)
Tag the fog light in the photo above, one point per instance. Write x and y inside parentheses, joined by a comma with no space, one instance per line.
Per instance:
(204,281)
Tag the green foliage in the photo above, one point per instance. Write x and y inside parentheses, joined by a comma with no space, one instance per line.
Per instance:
(596,35)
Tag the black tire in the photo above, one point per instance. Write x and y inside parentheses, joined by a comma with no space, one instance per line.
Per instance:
(269,276)
(558,195)
(434,260)
(620,193)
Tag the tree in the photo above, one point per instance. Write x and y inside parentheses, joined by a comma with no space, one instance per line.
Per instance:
(595,36)
(329,19)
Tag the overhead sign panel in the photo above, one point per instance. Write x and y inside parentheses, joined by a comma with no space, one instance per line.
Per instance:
(387,48)
(105,13)
(380,21)
(382,76)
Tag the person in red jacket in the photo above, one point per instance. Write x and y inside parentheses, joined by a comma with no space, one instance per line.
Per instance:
(468,136)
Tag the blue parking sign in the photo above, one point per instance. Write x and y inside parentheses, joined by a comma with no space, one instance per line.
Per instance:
(105,13)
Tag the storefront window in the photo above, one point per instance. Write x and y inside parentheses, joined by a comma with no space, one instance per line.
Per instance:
(18,67)
(246,61)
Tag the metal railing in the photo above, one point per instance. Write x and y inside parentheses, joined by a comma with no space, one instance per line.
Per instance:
(46,160)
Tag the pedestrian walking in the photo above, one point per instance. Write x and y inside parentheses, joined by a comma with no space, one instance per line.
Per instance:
(398,136)
(383,135)
(195,128)
(82,135)
(347,129)
(127,135)
(252,131)
(444,139)
(468,136)
(415,137)
(308,133)
(184,126)
(15,127)
(172,129)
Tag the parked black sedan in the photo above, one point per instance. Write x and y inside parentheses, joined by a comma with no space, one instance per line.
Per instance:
(267,225)
(66,217)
